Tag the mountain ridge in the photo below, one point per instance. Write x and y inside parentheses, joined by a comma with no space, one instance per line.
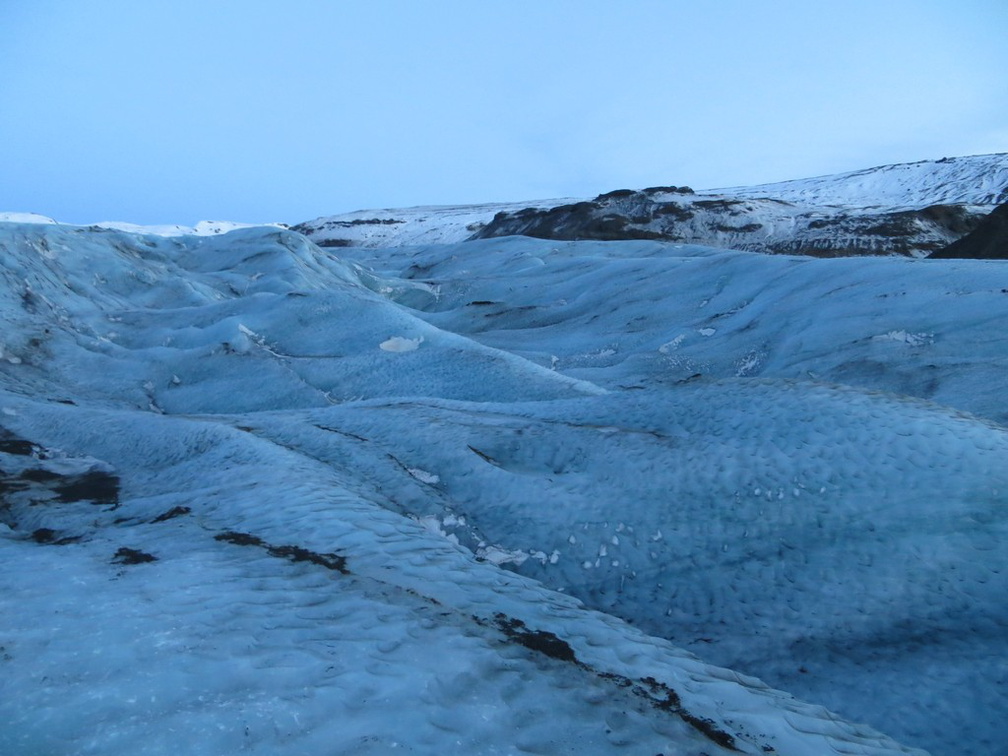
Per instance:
(953,181)
(907,209)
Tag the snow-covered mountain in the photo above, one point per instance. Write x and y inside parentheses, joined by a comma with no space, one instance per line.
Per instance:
(970,180)
(500,496)
(910,209)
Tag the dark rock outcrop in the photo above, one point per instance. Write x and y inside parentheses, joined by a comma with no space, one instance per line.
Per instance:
(988,241)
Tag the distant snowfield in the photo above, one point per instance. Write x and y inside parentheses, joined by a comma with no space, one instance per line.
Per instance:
(203,228)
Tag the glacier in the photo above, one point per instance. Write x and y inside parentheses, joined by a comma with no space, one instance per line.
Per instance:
(505,495)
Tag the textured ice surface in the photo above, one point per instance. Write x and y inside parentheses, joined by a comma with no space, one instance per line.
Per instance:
(478,498)
(839,545)
(629,315)
(242,596)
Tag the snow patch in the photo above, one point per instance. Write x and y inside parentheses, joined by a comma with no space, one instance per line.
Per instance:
(501,556)
(401,344)
(905,337)
(433,525)
(424,477)
(670,346)
(26,218)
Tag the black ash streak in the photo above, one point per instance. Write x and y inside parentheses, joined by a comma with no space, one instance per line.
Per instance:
(126,555)
(330,561)
(657,694)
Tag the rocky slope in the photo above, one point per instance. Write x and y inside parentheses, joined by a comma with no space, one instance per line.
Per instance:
(756,225)
(988,241)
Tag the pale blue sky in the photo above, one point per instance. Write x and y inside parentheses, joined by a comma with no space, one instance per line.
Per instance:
(173,112)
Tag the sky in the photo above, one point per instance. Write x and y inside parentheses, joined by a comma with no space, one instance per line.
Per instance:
(173,112)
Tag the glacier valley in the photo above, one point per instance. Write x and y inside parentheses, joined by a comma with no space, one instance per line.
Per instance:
(502,495)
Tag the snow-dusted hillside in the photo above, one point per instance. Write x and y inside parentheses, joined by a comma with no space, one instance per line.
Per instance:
(407,226)
(490,497)
(756,225)
(970,180)
(911,210)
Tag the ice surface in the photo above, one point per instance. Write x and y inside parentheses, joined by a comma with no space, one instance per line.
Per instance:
(492,497)
(640,314)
